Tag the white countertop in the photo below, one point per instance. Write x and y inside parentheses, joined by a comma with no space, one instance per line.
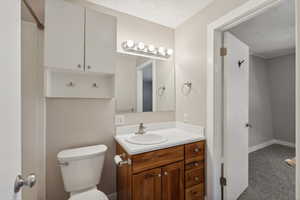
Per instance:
(175,135)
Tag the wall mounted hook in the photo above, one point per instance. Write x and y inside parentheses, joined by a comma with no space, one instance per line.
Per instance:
(188,84)
(95,85)
(71,84)
(241,62)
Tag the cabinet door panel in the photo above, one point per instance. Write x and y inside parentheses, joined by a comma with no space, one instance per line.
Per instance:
(64,35)
(100,46)
(172,182)
(147,185)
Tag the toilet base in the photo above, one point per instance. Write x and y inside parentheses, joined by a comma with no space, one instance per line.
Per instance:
(91,194)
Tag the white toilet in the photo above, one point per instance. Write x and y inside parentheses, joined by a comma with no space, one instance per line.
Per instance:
(81,170)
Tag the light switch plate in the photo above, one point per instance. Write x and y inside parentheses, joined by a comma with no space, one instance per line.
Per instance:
(119,120)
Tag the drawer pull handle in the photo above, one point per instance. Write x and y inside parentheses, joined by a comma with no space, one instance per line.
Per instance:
(196,150)
(197,178)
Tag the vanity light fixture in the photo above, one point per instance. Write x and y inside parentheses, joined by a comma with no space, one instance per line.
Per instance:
(141,48)
(129,43)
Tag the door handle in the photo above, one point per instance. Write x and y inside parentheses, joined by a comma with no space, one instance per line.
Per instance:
(20,182)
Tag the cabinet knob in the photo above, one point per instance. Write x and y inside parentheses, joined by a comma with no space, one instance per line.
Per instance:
(196,164)
(89,67)
(196,150)
(79,66)
(159,175)
(166,173)
(197,178)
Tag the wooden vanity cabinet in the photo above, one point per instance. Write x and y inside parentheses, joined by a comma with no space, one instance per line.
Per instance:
(175,173)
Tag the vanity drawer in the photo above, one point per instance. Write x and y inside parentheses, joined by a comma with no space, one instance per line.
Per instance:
(194,177)
(194,151)
(149,160)
(195,193)
(198,164)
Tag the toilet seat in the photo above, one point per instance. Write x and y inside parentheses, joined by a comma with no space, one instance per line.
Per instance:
(92,194)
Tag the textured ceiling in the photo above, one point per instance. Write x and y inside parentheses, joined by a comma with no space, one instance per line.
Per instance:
(271,34)
(170,13)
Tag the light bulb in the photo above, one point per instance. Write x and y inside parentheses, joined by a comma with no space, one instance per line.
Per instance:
(151,48)
(130,43)
(170,52)
(161,51)
(141,46)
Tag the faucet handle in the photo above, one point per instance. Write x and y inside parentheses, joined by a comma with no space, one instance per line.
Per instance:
(142,126)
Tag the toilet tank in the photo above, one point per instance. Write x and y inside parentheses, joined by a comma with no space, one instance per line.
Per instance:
(81,168)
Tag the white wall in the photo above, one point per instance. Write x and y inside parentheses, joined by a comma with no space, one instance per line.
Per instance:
(10,96)
(260,113)
(282,85)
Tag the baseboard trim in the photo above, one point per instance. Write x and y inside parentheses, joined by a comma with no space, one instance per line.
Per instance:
(270,142)
(284,143)
(261,146)
(112,196)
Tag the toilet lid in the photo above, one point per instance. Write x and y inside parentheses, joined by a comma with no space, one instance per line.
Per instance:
(89,195)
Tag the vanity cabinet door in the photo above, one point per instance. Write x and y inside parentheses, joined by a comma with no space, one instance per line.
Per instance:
(173,181)
(147,185)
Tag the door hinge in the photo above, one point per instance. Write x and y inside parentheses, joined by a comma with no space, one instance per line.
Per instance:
(223,181)
(223,51)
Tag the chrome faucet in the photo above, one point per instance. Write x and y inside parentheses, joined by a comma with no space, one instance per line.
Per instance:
(141,130)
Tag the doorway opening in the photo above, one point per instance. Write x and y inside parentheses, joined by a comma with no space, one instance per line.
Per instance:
(259,105)
(246,108)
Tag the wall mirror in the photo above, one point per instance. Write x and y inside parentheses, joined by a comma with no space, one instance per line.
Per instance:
(144,84)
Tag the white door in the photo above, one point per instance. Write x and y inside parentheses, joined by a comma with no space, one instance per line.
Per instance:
(10,97)
(236,115)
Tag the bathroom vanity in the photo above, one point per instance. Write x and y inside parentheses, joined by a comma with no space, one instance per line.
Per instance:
(172,170)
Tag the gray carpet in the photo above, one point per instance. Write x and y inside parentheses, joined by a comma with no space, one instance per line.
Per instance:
(270,178)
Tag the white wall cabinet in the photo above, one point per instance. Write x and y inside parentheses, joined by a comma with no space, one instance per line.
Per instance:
(80,51)
(79,39)
(64,35)
(100,42)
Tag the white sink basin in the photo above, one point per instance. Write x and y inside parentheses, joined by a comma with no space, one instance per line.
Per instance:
(147,139)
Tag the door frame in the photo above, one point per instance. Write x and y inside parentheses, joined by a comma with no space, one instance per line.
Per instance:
(214,121)
(139,79)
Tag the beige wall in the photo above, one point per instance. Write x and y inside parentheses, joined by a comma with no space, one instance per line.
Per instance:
(74,122)
(32,108)
(190,59)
